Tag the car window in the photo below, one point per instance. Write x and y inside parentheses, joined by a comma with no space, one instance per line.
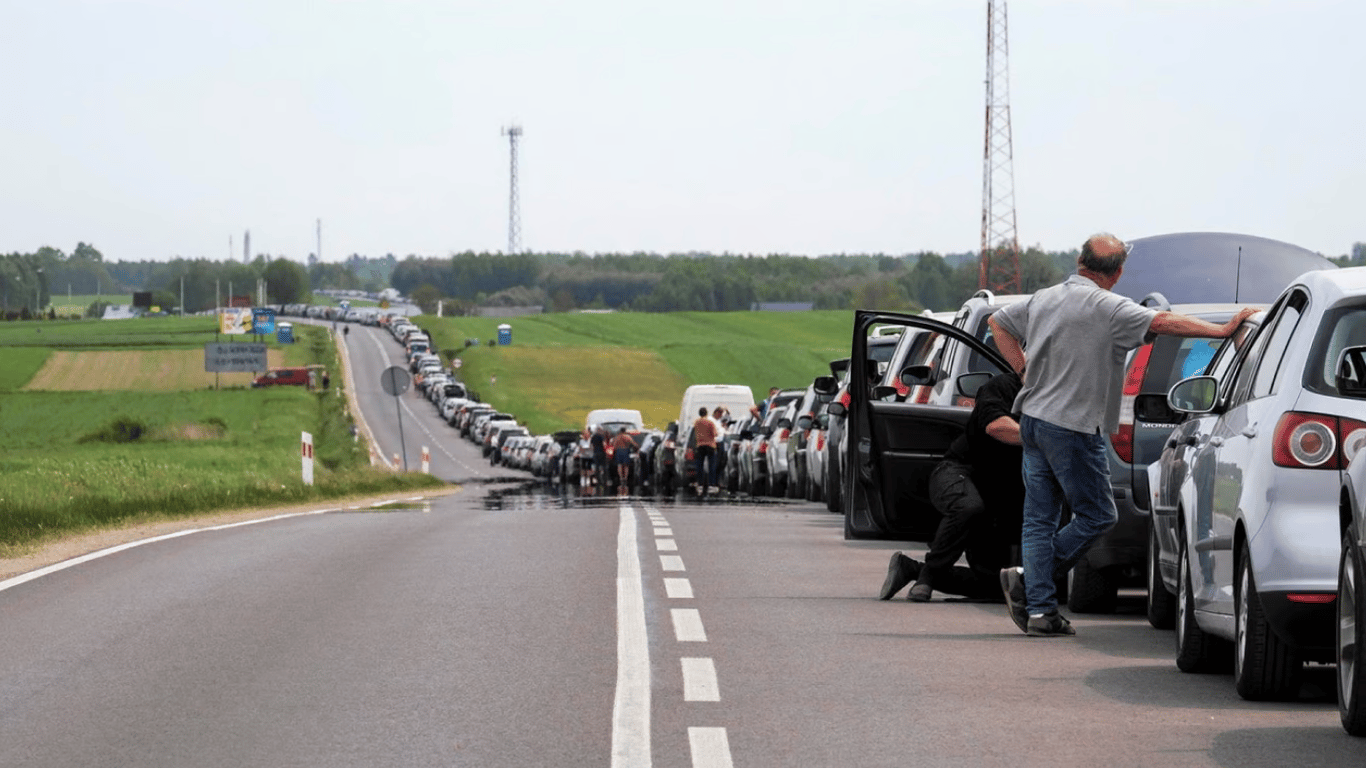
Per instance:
(1228,355)
(1342,327)
(1245,365)
(1269,365)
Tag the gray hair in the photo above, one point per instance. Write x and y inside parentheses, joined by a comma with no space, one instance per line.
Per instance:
(1107,263)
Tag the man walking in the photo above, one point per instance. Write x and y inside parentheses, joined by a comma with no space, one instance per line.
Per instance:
(1077,334)
(704,432)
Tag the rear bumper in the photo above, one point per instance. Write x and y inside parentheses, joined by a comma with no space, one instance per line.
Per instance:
(1309,627)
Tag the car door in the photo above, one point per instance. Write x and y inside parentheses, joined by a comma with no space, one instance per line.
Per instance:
(893,446)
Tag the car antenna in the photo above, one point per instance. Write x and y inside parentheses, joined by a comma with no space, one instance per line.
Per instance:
(1238,276)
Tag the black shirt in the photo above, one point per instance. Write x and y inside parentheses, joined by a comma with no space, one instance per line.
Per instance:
(995,465)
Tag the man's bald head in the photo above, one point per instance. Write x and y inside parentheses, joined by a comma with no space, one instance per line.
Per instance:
(1103,254)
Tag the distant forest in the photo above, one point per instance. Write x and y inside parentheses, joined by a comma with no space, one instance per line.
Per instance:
(558,282)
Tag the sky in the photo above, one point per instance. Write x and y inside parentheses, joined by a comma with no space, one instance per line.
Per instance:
(164,128)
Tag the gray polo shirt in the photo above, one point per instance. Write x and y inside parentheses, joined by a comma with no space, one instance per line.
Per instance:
(1076,337)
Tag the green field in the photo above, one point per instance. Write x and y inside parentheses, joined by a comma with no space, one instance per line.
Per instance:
(560,366)
(64,468)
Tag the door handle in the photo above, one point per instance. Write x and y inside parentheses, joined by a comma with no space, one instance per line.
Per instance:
(1216,442)
(1250,430)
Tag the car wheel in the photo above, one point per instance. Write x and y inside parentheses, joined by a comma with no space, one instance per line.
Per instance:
(832,492)
(1351,637)
(779,489)
(1264,667)
(1091,589)
(1195,650)
(1161,603)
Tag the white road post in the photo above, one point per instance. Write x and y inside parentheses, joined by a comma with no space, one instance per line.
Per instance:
(426,461)
(307,452)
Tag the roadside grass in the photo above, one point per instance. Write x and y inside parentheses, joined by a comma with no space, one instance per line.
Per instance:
(196,450)
(185,332)
(78,303)
(560,366)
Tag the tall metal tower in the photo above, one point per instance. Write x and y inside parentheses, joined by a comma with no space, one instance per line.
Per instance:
(513,132)
(999,262)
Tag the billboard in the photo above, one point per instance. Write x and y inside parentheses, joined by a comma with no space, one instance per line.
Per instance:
(234,321)
(234,358)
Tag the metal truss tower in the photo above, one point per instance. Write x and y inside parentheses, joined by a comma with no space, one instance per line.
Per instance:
(513,132)
(999,262)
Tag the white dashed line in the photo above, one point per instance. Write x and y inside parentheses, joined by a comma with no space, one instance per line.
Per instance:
(688,625)
(671,563)
(666,531)
(699,680)
(666,545)
(710,748)
(678,589)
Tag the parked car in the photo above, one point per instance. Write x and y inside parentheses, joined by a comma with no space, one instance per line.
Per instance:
(666,457)
(804,413)
(892,446)
(276,377)
(1351,600)
(768,470)
(1247,491)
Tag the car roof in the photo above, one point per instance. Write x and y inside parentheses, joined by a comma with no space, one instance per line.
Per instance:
(1191,267)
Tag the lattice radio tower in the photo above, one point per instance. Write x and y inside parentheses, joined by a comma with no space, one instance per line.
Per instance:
(999,263)
(513,132)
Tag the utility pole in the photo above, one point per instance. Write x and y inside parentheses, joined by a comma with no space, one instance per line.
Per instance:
(999,261)
(320,241)
(513,132)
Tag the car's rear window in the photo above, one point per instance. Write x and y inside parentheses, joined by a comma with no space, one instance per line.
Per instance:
(1174,359)
(1341,327)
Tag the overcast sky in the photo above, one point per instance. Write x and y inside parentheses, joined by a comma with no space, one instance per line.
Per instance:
(163,128)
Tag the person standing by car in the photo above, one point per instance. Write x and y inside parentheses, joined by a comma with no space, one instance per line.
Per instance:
(978,490)
(704,432)
(1078,334)
(622,445)
(598,442)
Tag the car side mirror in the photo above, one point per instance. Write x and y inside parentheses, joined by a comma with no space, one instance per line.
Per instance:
(883,392)
(917,375)
(825,385)
(1194,395)
(969,383)
(1351,372)
(784,423)
(836,409)
(804,422)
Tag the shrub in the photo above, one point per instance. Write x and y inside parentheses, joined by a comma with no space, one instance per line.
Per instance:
(120,430)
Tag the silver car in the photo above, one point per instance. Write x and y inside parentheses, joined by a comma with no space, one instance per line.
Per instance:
(1246,494)
(1351,634)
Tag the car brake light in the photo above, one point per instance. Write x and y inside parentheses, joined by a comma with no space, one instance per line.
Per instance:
(964,401)
(820,441)
(1316,441)
(1318,598)
(784,435)
(1123,440)
(845,399)
(902,388)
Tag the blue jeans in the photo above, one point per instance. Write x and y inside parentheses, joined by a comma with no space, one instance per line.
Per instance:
(1060,465)
(705,455)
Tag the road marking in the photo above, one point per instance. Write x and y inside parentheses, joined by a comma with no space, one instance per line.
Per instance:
(710,748)
(678,588)
(631,708)
(671,563)
(665,531)
(666,545)
(688,625)
(699,680)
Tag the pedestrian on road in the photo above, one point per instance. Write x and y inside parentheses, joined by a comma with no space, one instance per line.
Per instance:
(978,490)
(1078,334)
(704,450)
(598,442)
(622,445)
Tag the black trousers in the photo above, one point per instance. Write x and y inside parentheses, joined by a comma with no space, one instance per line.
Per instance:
(967,526)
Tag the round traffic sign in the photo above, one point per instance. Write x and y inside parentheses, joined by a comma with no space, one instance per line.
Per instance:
(395,380)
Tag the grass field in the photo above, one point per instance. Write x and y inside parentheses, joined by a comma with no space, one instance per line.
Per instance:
(67,465)
(560,366)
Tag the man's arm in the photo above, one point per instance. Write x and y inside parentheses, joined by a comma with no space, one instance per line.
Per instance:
(1004,429)
(1172,324)
(1008,345)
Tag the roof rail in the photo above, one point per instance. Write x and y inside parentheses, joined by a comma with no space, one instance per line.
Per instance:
(984,293)
(1156,301)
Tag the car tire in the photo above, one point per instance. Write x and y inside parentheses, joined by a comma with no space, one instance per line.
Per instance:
(1196,651)
(833,499)
(1351,636)
(1161,603)
(1264,667)
(1091,589)
(779,489)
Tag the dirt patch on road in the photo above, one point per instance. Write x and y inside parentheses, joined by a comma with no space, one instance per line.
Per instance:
(74,546)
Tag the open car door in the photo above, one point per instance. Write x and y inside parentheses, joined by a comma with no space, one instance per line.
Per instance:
(893,446)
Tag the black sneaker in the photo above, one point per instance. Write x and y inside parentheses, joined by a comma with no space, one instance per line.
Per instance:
(1012,585)
(920,593)
(1051,624)
(901,571)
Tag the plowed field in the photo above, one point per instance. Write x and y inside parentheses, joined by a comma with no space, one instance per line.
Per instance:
(150,370)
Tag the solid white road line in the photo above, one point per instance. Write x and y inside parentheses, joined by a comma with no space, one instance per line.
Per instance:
(631,708)
(666,545)
(671,563)
(678,588)
(699,680)
(710,748)
(688,625)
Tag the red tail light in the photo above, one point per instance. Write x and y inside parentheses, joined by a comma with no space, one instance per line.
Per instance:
(763,446)
(901,388)
(820,441)
(784,435)
(1316,441)
(1312,598)
(1123,440)
(844,398)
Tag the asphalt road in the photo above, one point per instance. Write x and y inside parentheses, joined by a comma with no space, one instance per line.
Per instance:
(509,626)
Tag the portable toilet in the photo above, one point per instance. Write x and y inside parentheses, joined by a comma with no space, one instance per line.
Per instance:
(504,334)
(284,333)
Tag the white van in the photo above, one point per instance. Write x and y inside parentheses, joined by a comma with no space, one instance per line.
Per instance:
(614,419)
(736,398)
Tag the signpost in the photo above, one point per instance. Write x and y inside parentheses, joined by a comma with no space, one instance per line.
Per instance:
(234,358)
(395,380)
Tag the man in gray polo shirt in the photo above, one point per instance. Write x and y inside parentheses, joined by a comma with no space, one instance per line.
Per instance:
(1078,335)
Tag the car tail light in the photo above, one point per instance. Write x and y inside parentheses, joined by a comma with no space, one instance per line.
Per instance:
(1315,598)
(763,446)
(902,388)
(845,398)
(1316,441)
(820,441)
(964,400)
(1123,440)
(784,435)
